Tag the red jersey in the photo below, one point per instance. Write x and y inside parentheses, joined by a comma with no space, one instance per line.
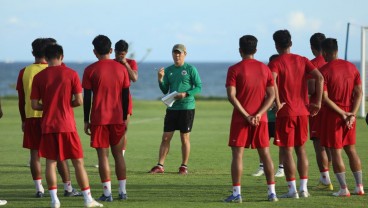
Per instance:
(340,78)
(106,78)
(55,87)
(318,62)
(250,78)
(133,64)
(292,73)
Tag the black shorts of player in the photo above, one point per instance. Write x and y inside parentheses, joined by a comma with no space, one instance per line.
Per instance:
(271,129)
(179,120)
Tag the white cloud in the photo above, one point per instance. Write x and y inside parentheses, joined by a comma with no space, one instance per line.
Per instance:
(298,21)
(13,20)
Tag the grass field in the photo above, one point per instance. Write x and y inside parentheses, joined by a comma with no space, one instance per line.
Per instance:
(207,184)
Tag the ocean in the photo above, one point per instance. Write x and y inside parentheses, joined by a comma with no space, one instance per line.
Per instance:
(213,76)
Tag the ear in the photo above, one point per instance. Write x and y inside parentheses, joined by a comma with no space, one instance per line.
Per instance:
(94,51)
(62,57)
(110,51)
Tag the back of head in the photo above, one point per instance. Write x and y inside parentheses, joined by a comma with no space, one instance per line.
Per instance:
(121,46)
(329,46)
(53,51)
(38,48)
(273,57)
(282,39)
(316,41)
(248,44)
(102,44)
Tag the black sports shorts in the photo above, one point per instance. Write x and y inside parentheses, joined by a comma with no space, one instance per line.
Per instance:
(179,120)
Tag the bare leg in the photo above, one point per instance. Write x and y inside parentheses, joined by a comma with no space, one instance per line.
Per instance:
(120,168)
(237,164)
(63,169)
(354,160)
(302,161)
(125,141)
(288,161)
(80,173)
(165,146)
(185,147)
(265,156)
(103,163)
(337,161)
(51,173)
(321,156)
(35,165)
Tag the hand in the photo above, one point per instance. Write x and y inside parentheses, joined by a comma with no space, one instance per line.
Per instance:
(314,109)
(160,74)
(180,95)
(279,106)
(252,120)
(350,121)
(87,128)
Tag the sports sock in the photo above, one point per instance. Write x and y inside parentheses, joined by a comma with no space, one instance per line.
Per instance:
(236,189)
(106,187)
(341,178)
(281,166)
(271,188)
(122,186)
(87,195)
(158,164)
(292,185)
(325,177)
(261,166)
(303,184)
(358,178)
(38,185)
(53,195)
(68,186)
(123,153)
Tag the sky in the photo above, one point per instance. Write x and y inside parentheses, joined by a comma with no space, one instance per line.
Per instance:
(210,29)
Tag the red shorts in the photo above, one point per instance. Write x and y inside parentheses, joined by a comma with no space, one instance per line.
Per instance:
(102,136)
(315,123)
(243,135)
(337,135)
(291,131)
(32,133)
(61,146)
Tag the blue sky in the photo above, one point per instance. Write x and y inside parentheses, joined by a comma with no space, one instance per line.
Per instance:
(209,28)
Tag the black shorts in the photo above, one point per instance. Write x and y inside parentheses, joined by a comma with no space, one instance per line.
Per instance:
(179,120)
(271,129)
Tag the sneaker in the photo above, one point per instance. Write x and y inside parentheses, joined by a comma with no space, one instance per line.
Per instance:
(304,194)
(259,172)
(72,193)
(96,166)
(272,198)
(280,172)
(55,204)
(3,202)
(123,196)
(39,194)
(342,193)
(183,170)
(93,203)
(105,198)
(157,169)
(234,199)
(294,195)
(323,187)
(359,190)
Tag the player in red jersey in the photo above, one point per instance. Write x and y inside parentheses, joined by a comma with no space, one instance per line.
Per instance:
(323,155)
(342,96)
(290,72)
(121,50)
(108,80)
(53,90)
(31,119)
(247,83)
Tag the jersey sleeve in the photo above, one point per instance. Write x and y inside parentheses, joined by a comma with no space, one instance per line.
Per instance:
(86,82)
(231,77)
(308,65)
(164,85)
(273,66)
(270,80)
(196,82)
(133,64)
(357,80)
(76,85)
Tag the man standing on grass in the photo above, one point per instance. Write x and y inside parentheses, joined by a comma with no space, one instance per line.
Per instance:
(108,80)
(248,83)
(290,72)
(323,155)
(184,79)
(342,96)
(55,91)
(31,119)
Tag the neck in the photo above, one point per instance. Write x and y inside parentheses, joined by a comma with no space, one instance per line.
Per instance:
(40,60)
(54,62)
(247,56)
(179,64)
(283,51)
(103,57)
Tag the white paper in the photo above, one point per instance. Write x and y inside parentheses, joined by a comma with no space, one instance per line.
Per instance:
(169,98)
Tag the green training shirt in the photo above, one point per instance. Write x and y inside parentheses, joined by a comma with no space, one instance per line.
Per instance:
(182,79)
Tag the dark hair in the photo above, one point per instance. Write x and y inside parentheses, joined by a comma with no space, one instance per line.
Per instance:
(273,57)
(53,51)
(329,45)
(102,44)
(38,48)
(282,39)
(248,44)
(121,46)
(316,40)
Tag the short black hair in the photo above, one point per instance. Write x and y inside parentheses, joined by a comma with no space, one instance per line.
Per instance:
(273,57)
(248,44)
(38,48)
(53,51)
(282,39)
(102,44)
(329,45)
(316,40)
(121,46)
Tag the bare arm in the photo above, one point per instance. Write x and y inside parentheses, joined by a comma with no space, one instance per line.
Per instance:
(311,86)
(357,98)
(133,74)
(36,105)
(277,98)
(78,100)
(315,107)
(231,95)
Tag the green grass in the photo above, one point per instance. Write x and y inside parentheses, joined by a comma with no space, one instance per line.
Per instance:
(206,185)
